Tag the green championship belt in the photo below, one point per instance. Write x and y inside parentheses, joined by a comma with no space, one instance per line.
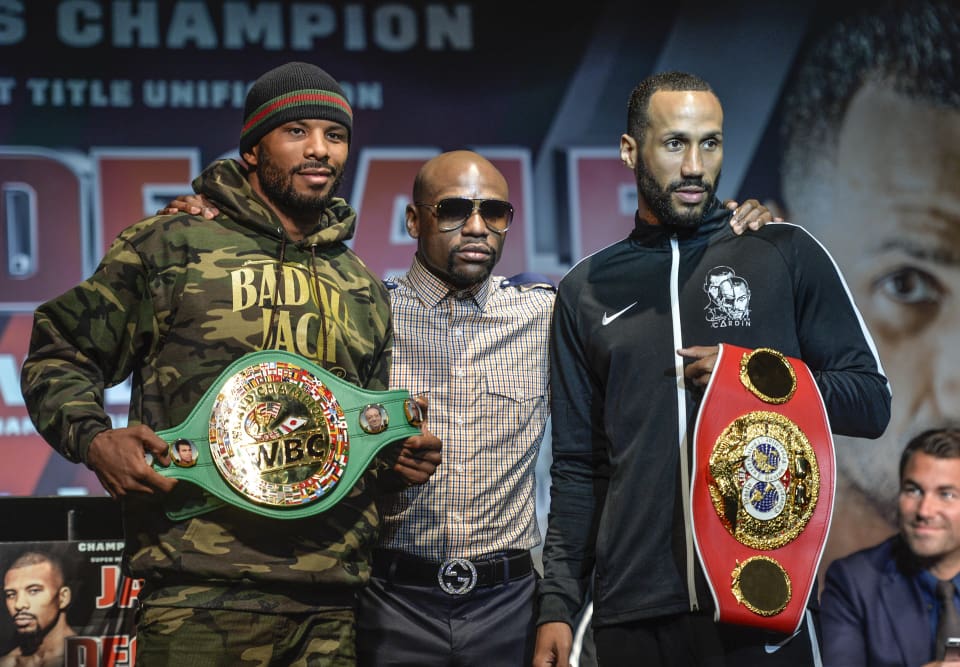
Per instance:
(280,436)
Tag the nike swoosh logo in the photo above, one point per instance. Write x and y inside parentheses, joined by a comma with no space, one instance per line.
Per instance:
(607,319)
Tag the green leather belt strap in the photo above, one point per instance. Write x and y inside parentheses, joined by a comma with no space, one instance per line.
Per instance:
(278,435)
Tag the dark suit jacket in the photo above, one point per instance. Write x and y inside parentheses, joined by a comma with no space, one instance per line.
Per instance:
(871,611)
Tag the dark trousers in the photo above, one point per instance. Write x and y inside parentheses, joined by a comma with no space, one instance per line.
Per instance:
(694,640)
(421,626)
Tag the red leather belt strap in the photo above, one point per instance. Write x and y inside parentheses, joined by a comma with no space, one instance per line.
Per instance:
(762,488)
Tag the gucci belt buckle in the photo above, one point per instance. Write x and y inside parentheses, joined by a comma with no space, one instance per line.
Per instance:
(457,576)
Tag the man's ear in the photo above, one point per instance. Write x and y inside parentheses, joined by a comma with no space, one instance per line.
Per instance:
(250,157)
(628,151)
(412,221)
(65,597)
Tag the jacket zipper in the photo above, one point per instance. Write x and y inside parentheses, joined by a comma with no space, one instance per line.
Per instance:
(682,421)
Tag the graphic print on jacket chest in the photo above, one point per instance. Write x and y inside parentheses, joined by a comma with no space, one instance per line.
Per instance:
(728,298)
(297,298)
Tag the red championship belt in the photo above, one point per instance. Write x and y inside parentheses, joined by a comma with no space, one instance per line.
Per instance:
(762,487)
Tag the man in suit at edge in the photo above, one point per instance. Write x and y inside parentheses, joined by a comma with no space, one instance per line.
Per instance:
(879,607)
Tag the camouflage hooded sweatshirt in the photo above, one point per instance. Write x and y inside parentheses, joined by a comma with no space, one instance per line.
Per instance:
(175,300)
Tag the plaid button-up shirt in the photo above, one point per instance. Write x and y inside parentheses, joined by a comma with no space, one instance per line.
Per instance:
(480,357)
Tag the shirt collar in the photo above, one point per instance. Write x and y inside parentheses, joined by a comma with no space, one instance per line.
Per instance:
(929,582)
(432,290)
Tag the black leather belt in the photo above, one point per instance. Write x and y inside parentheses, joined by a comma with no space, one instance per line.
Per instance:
(455,576)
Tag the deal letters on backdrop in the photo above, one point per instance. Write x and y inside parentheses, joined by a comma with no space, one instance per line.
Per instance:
(762,487)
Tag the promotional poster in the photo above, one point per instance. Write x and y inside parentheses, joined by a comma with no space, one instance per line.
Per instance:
(74,592)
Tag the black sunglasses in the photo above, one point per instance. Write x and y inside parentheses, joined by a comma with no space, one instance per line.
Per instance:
(453,212)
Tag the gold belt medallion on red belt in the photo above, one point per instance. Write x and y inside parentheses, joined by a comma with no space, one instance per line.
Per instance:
(765,480)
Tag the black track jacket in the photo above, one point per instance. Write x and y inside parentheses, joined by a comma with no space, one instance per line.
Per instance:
(623,418)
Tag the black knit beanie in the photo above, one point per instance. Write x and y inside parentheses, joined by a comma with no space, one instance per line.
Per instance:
(293,91)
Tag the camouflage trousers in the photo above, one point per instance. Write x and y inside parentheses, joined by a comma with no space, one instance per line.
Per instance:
(193,637)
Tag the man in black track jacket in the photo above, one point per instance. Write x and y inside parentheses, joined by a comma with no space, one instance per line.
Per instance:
(634,340)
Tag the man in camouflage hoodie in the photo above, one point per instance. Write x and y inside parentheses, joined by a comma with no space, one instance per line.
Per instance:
(175,300)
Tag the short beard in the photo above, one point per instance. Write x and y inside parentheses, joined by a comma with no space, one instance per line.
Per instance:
(462,280)
(29,642)
(660,202)
(277,185)
(459,279)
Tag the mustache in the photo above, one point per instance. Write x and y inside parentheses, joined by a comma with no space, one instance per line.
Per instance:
(315,164)
(688,182)
(474,245)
